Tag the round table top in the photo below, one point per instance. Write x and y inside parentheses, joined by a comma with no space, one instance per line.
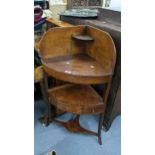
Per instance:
(79,68)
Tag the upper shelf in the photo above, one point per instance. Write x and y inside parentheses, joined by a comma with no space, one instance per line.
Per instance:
(79,68)
(82,37)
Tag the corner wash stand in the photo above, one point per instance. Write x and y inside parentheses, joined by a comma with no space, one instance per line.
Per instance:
(81,56)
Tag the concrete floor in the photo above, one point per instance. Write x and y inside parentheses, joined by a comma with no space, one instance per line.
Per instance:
(55,137)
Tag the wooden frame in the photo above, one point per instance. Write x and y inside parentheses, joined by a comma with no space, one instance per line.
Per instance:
(81,55)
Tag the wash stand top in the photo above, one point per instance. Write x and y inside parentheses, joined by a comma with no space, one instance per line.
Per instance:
(78,54)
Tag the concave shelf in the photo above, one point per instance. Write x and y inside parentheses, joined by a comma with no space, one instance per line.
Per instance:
(78,65)
(79,68)
(82,37)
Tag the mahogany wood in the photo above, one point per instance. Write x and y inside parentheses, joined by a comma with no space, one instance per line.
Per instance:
(74,126)
(52,110)
(77,99)
(79,68)
(103,46)
(81,63)
(102,49)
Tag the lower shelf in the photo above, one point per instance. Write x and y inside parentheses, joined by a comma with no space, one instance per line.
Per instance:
(77,99)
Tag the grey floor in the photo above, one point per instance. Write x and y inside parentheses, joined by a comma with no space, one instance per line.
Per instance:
(55,137)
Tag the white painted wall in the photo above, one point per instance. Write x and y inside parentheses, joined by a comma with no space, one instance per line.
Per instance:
(115,3)
(57,2)
(112,5)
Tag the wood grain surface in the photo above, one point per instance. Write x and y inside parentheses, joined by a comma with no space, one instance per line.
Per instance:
(78,99)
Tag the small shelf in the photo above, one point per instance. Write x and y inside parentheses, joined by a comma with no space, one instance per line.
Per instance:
(82,37)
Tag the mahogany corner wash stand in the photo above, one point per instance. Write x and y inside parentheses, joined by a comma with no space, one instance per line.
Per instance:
(81,56)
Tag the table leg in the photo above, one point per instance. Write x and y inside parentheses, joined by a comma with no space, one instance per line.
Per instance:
(100,129)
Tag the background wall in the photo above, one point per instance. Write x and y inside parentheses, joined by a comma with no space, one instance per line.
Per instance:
(57,6)
(113,3)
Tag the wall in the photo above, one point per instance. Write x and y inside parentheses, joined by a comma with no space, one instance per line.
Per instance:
(57,6)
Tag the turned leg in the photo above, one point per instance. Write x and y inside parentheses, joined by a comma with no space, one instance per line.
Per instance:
(100,129)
